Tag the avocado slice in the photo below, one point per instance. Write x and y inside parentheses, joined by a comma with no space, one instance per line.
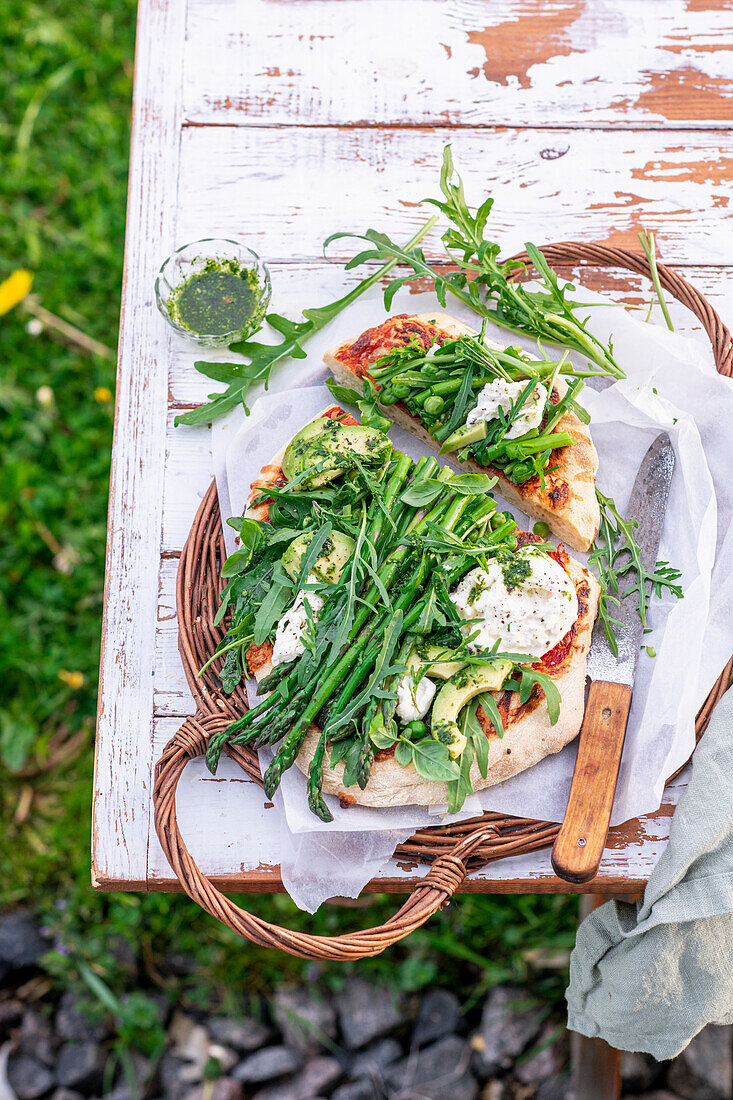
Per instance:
(442,668)
(464,436)
(329,565)
(307,448)
(459,690)
(324,438)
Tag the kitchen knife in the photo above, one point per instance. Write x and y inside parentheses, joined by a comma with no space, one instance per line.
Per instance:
(579,846)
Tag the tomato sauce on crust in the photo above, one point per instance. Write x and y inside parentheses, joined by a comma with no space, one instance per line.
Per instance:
(380,340)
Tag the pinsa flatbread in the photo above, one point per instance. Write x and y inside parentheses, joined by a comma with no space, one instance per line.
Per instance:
(528,734)
(567,503)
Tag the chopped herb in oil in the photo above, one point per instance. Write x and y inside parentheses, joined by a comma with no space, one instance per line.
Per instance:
(220,299)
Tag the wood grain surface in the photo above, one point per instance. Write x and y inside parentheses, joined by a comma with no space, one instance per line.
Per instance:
(579,846)
(607,63)
(279,121)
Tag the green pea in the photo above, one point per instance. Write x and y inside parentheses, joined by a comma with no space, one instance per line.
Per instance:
(542,529)
(434,405)
(387,396)
(400,391)
(521,472)
(417,728)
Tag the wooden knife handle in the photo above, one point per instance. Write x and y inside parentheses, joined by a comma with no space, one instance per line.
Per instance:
(577,851)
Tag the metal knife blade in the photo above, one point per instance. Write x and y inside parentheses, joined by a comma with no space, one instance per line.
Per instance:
(648,503)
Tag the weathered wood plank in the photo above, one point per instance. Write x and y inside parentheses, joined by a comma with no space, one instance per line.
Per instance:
(286,190)
(123,762)
(239,844)
(189,469)
(460,63)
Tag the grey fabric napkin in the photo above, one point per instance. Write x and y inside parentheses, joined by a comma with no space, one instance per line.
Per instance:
(649,976)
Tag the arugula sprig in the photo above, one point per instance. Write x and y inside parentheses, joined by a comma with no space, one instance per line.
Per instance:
(616,556)
(483,282)
(263,358)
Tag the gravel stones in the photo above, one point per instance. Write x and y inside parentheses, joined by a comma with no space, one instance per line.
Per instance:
(318,1074)
(245,1035)
(304,1019)
(546,1061)
(362,1089)
(174,1077)
(21,945)
(373,1061)
(80,1066)
(224,1088)
(508,1026)
(267,1065)
(36,1037)
(29,1078)
(365,1012)
(437,1017)
(436,1072)
(71,1022)
(704,1069)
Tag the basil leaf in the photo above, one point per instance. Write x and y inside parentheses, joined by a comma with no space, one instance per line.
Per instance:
(339,751)
(472,484)
(425,492)
(381,736)
(343,393)
(231,671)
(403,753)
(236,562)
(250,536)
(432,760)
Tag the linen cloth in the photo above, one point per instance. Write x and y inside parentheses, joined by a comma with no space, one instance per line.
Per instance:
(649,976)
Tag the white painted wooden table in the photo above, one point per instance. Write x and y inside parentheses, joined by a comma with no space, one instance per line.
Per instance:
(279,122)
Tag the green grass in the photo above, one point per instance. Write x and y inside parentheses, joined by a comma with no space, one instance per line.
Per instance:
(64,131)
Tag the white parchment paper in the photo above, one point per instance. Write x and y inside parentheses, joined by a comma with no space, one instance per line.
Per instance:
(671,385)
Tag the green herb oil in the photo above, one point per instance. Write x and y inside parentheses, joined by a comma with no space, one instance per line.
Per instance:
(218,300)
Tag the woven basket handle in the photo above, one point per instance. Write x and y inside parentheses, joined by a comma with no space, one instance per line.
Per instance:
(600,255)
(448,871)
(442,880)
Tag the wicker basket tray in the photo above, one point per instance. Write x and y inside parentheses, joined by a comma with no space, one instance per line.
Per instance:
(451,850)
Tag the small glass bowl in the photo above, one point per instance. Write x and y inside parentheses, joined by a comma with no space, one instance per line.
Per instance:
(195,257)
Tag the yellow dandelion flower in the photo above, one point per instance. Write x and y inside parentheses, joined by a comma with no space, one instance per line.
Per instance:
(103,395)
(14,289)
(75,680)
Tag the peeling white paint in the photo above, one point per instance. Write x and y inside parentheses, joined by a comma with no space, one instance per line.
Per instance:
(332,62)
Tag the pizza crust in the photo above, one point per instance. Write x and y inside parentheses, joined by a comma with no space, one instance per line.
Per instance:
(528,736)
(568,505)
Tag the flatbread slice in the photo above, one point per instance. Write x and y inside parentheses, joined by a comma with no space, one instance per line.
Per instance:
(528,735)
(568,502)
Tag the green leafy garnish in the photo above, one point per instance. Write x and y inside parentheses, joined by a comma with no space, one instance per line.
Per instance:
(615,556)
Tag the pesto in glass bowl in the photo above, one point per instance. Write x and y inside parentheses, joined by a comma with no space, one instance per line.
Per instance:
(213,292)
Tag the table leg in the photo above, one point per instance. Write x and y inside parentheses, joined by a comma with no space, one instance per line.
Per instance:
(596,1066)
